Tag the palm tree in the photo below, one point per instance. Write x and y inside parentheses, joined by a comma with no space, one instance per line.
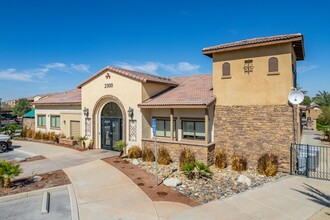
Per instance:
(322,98)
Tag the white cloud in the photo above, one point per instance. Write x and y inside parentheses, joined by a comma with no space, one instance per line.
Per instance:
(306,67)
(40,73)
(180,68)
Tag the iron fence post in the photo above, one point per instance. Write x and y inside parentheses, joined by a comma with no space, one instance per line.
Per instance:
(307,162)
(291,159)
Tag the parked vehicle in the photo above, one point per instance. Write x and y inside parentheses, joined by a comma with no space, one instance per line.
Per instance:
(5,142)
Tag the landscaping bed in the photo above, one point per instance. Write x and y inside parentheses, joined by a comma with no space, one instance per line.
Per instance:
(146,181)
(74,147)
(41,181)
(223,183)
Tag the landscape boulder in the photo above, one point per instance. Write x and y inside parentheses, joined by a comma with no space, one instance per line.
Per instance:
(172,182)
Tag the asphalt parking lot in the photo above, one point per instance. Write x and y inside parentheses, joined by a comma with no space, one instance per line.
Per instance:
(30,207)
(14,154)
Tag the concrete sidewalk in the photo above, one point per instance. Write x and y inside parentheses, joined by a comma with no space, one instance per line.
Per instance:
(103,192)
(290,198)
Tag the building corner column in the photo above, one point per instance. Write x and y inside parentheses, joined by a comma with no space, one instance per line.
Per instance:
(172,124)
(206,125)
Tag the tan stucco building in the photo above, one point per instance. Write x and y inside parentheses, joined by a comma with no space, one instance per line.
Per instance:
(242,106)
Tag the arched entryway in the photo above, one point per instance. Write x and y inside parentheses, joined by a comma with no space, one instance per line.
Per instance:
(111,125)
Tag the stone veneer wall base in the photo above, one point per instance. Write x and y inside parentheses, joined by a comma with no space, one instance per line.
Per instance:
(253,130)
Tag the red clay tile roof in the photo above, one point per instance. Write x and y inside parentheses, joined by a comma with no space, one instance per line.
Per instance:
(72,97)
(142,77)
(192,91)
(297,40)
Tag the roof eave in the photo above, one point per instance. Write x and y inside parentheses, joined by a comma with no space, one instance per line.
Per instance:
(210,52)
(58,104)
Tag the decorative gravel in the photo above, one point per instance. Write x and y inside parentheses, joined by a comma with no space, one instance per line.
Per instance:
(222,184)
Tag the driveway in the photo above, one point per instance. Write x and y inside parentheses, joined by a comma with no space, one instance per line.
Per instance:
(14,154)
(103,192)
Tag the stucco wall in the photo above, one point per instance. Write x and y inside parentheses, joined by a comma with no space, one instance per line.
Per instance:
(151,89)
(65,113)
(258,87)
(95,95)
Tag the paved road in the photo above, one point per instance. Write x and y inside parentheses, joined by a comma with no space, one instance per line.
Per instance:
(311,137)
(13,154)
(103,192)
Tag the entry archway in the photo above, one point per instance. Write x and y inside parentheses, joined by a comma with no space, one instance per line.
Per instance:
(111,125)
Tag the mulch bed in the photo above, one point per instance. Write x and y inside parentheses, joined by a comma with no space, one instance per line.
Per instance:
(147,183)
(34,158)
(51,179)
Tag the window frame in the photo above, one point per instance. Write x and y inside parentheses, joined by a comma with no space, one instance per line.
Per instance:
(224,74)
(164,129)
(275,59)
(38,124)
(51,122)
(195,136)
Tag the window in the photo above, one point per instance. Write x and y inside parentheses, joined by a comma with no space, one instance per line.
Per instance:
(163,128)
(41,120)
(55,121)
(226,69)
(193,129)
(273,65)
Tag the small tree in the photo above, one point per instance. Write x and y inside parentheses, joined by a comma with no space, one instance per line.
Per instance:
(7,172)
(10,128)
(120,146)
(22,107)
(82,140)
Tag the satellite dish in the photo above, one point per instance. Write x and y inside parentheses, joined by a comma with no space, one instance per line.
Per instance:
(296,97)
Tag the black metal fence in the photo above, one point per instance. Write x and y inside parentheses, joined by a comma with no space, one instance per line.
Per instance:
(310,161)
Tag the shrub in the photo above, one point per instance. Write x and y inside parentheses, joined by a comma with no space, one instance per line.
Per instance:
(186,156)
(62,135)
(10,128)
(37,135)
(220,159)
(29,133)
(45,136)
(24,133)
(148,155)
(7,172)
(202,170)
(268,164)
(188,170)
(134,152)
(163,156)
(238,163)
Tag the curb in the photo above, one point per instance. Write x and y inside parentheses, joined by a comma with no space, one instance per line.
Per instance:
(32,193)
(73,203)
(45,203)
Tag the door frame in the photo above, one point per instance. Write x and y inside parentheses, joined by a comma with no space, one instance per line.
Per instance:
(96,118)
(112,119)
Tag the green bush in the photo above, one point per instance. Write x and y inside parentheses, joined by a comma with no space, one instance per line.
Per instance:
(120,146)
(186,156)
(202,170)
(188,170)
(238,163)
(148,155)
(7,172)
(220,159)
(163,157)
(134,152)
(11,128)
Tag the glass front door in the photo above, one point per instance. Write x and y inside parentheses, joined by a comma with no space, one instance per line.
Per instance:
(111,132)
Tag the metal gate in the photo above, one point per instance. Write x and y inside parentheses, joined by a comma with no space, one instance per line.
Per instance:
(310,161)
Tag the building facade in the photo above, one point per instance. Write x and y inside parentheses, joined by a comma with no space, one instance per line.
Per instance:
(241,107)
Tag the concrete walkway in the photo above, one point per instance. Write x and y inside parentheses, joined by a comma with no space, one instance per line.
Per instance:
(311,137)
(103,192)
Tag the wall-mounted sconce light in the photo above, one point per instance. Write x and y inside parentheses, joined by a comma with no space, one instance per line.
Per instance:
(86,112)
(130,112)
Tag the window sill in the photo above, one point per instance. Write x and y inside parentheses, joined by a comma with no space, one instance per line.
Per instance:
(273,73)
(225,77)
(43,127)
(55,128)
(182,141)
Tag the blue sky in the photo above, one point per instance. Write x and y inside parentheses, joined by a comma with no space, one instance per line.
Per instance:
(52,46)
